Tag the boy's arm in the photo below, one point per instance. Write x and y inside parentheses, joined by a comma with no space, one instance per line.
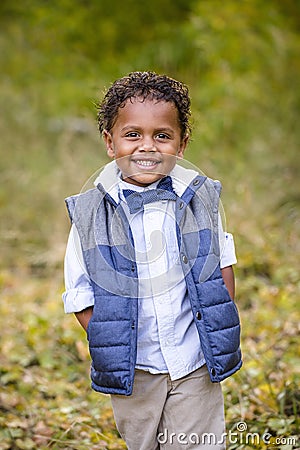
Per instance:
(228,277)
(84,317)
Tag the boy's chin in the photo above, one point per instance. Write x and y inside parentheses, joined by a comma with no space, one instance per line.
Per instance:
(144,179)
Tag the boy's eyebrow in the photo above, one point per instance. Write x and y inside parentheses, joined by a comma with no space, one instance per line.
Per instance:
(129,127)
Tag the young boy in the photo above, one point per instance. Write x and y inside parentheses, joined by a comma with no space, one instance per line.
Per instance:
(149,275)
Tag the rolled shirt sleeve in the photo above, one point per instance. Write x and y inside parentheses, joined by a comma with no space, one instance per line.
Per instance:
(228,256)
(79,293)
(227,247)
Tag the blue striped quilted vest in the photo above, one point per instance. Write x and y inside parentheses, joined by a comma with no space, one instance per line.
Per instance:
(109,256)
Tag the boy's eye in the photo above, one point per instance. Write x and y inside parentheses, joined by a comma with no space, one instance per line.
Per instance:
(132,134)
(162,136)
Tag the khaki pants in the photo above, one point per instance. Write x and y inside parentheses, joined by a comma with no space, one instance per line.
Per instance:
(164,414)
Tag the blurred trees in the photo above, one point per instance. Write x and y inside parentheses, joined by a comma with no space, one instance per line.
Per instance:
(176,36)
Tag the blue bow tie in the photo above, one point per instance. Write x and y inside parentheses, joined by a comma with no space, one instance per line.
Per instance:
(137,200)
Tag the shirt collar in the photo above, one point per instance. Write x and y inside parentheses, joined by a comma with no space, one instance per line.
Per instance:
(110,178)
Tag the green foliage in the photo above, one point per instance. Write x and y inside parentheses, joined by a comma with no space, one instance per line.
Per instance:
(241,62)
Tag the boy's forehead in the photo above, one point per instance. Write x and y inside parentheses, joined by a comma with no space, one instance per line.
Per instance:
(140,108)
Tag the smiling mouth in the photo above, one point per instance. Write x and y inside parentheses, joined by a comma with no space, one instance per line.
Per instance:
(148,164)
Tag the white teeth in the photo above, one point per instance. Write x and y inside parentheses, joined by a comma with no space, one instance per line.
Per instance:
(146,163)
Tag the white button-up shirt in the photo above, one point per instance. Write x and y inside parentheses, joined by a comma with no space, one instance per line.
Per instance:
(168,341)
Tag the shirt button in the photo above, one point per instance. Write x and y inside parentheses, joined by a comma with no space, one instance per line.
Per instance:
(196,182)
(213,372)
(181,205)
(185,259)
(198,315)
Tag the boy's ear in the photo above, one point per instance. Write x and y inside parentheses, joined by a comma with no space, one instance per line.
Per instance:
(183,144)
(108,143)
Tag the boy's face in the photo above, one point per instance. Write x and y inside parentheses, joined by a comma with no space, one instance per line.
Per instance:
(145,140)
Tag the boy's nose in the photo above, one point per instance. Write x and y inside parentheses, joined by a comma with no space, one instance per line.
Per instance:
(147,147)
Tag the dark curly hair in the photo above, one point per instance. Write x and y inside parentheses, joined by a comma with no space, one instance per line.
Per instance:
(144,85)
